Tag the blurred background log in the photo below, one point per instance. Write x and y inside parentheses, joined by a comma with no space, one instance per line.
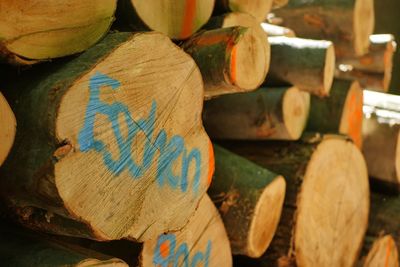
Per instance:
(7,129)
(257,8)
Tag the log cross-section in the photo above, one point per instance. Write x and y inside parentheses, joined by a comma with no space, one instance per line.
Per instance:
(7,128)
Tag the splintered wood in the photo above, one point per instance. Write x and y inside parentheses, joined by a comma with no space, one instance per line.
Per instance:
(113,155)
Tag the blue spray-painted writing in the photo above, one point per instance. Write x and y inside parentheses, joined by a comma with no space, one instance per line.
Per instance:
(169,152)
(166,253)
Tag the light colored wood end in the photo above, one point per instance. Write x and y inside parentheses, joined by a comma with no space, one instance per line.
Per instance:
(397,158)
(363,25)
(352,114)
(7,128)
(296,106)
(258,8)
(279,3)
(383,253)
(329,70)
(275,30)
(99,263)
(333,206)
(266,217)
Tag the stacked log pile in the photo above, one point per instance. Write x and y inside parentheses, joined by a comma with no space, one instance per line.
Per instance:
(200,132)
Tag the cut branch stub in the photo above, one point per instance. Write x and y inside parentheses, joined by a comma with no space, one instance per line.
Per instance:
(327,189)
(307,64)
(348,24)
(267,113)
(382,253)
(39,30)
(374,69)
(203,241)
(230,59)
(112,152)
(341,112)
(249,199)
(7,128)
(177,19)
(381,134)
(257,8)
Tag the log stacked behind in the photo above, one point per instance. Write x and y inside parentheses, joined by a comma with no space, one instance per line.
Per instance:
(7,129)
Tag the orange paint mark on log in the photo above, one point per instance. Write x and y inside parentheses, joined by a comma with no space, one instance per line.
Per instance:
(355,119)
(164,250)
(188,19)
(388,251)
(233,72)
(211,163)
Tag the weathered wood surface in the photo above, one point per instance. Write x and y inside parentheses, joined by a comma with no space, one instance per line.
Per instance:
(267,113)
(327,197)
(230,59)
(103,148)
(341,112)
(381,134)
(249,199)
(7,128)
(347,23)
(31,31)
(307,64)
(177,19)
(202,242)
(374,69)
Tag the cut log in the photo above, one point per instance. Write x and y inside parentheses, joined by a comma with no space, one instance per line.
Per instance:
(341,112)
(307,64)
(382,253)
(19,248)
(267,113)
(381,134)
(325,214)
(39,30)
(231,59)
(257,8)
(7,129)
(374,69)
(348,24)
(104,149)
(203,241)
(177,19)
(275,30)
(279,3)
(249,199)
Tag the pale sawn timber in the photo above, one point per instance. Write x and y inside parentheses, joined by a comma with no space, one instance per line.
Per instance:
(267,113)
(307,64)
(341,112)
(276,30)
(381,134)
(36,30)
(112,154)
(202,242)
(374,69)
(327,197)
(230,59)
(249,199)
(257,8)
(7,128)
(178,19)
(347,23)
(382,252)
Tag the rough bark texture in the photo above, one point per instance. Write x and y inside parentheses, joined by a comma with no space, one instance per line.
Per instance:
(267,113)
(85,161)
(307,64)
(347,23)
(249,199)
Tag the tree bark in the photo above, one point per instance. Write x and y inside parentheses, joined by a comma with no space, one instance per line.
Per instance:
(267,113)
(340,113)
(103,148)
(249,199)
(257,8)
(381,136)
(31,32)
(374,69)
(230,59)
(7,129)
(307,64)
(348,24)
(20,248)
(327,197)
(203,241)
(177,19)
(380,251)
